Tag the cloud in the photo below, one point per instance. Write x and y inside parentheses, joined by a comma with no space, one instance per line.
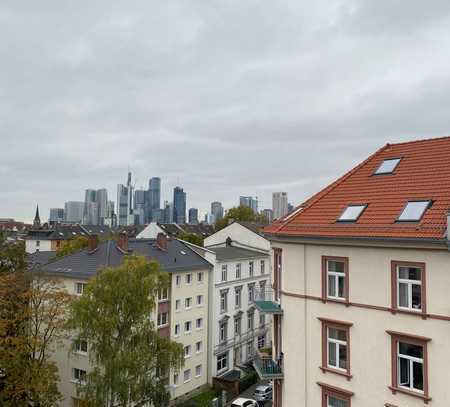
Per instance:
(225,98)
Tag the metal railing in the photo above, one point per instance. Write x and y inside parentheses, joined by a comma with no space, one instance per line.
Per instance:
(267,367)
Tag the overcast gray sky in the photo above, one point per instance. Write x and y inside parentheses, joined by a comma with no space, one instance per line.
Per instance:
(229,97)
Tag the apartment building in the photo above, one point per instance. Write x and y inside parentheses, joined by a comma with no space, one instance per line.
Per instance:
(360,306)
(241,258)
(182,312)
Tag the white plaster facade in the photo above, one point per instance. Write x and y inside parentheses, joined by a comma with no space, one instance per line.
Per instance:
(36,245)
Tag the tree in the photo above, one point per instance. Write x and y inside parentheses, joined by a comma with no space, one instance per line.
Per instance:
(240,213)
(12,255)
(129,359)
(191,238)
(33,321)
(72,246)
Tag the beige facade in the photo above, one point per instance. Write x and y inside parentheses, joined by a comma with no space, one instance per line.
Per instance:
(368,316)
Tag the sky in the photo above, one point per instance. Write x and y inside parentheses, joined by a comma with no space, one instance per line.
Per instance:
(223,97)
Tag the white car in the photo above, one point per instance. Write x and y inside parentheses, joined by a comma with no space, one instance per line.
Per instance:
(241,402)
(263,392)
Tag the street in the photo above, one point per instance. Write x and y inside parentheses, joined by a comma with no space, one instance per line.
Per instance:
(249,393)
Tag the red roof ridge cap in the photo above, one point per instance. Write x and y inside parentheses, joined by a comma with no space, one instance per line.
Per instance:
(419,140)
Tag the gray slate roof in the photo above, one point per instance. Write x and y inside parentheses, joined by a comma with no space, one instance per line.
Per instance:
(39,258)
(67,232)
(235,253)
(178,257)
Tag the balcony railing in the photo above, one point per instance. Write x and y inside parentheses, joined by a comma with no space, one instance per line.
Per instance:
(267,368)
(266,301)
(239,339)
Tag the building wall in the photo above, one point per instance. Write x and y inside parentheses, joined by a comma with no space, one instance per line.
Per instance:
(32,246)
(370,285)
(181,292)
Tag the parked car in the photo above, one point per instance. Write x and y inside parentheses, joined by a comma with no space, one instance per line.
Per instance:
(263,392)
(242,402)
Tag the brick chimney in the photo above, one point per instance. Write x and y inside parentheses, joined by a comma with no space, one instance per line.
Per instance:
(92,243)
(122,241)
(161,241)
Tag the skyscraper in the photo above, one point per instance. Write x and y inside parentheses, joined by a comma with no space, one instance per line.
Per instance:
(102,205)
(124,203)
(216,210)
(179,205)
(279,204)
(73,211)
(250,202)
(154,195)
(268,214)
(193,216)
(168,212)
(90,214)
(139,205)
(56,215)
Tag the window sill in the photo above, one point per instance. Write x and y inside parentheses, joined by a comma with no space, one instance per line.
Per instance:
(163,326)
(418,313)
(78,382)
(421,396)
(345,302)
(80,353)
(335,371)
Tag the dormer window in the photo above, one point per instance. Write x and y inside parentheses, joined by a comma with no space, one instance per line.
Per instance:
(413,211)
(387,166)
(352,213)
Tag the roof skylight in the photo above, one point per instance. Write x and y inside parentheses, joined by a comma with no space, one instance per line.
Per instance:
(414,210)
(387,166)
(352,213)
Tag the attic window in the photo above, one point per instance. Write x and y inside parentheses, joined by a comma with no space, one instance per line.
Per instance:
(387,166)
(182,252)
(352,213)
(413,211)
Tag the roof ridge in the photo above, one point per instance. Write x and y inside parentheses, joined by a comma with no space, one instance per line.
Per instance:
(418,141)
(319,195)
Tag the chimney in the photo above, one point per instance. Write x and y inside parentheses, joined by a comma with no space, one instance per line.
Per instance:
(161,241)
(122,241)
(92,243)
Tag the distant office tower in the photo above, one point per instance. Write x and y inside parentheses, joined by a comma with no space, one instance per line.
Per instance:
(168,212)
(102,205)
(56,215)
(158,215)
(216,210)
(250,202)
(268,214)
(73,212)
(125,214)
(193,216)
(279,204)
(111,218)
(139,206)
(290,207)
(179,206)
(154,196)
(90,214)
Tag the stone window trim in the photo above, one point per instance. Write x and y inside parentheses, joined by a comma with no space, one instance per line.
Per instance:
(333,391)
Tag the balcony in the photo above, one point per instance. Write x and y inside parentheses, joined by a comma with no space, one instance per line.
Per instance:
(266,303)
(267,368)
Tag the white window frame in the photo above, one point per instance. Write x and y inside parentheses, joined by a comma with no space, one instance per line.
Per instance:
(224,274)
(197,325)
(222,359)
(337,343)
(188,279)
(199,297)
(263,267)
(177,330)
(79,284)
(411,360)
(160,318)
(178,280)
(81,372)
(188,303)
(238,298)
(187,352)
(199,347)
(200,277)
(188,371)
(223,301)
(336,398)
(78,348)
(198,371)
(251,268)
(238,271)
(188,331)
(177,305)
(409,283)
(336,275)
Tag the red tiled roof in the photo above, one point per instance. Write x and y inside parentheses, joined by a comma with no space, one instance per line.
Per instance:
(422,174)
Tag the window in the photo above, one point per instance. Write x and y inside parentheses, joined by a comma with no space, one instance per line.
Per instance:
(187,375)
(263,266)
(177,305)
(334,396)
(222,361)
(224,272)
(163,294)
(251,293)
(198,347)
(387,166)
(251,267)
(188,303)
(261,341)
(187,351)
(336,347)
(335,278)
(237,324)
(175,379)
(198,370)
(223,331)
(408,286)
(79,375)
(187,327)
(38,243)
(188,278)
(250,320)
(262,319)
(223,300)
(199,299)
(262,288)
(413,211)
(199,323)
(200,277)
(177,330)
(352,213)
(409,364)
(237,297)
(277,267)
(79,288)
(178,280)
(238,271)
(249,349)
(81,346)
(163,318)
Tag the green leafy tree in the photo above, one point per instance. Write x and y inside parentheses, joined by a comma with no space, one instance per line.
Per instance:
(240,213)
(12,255)
(72,246)
(191,238)
(130,360)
